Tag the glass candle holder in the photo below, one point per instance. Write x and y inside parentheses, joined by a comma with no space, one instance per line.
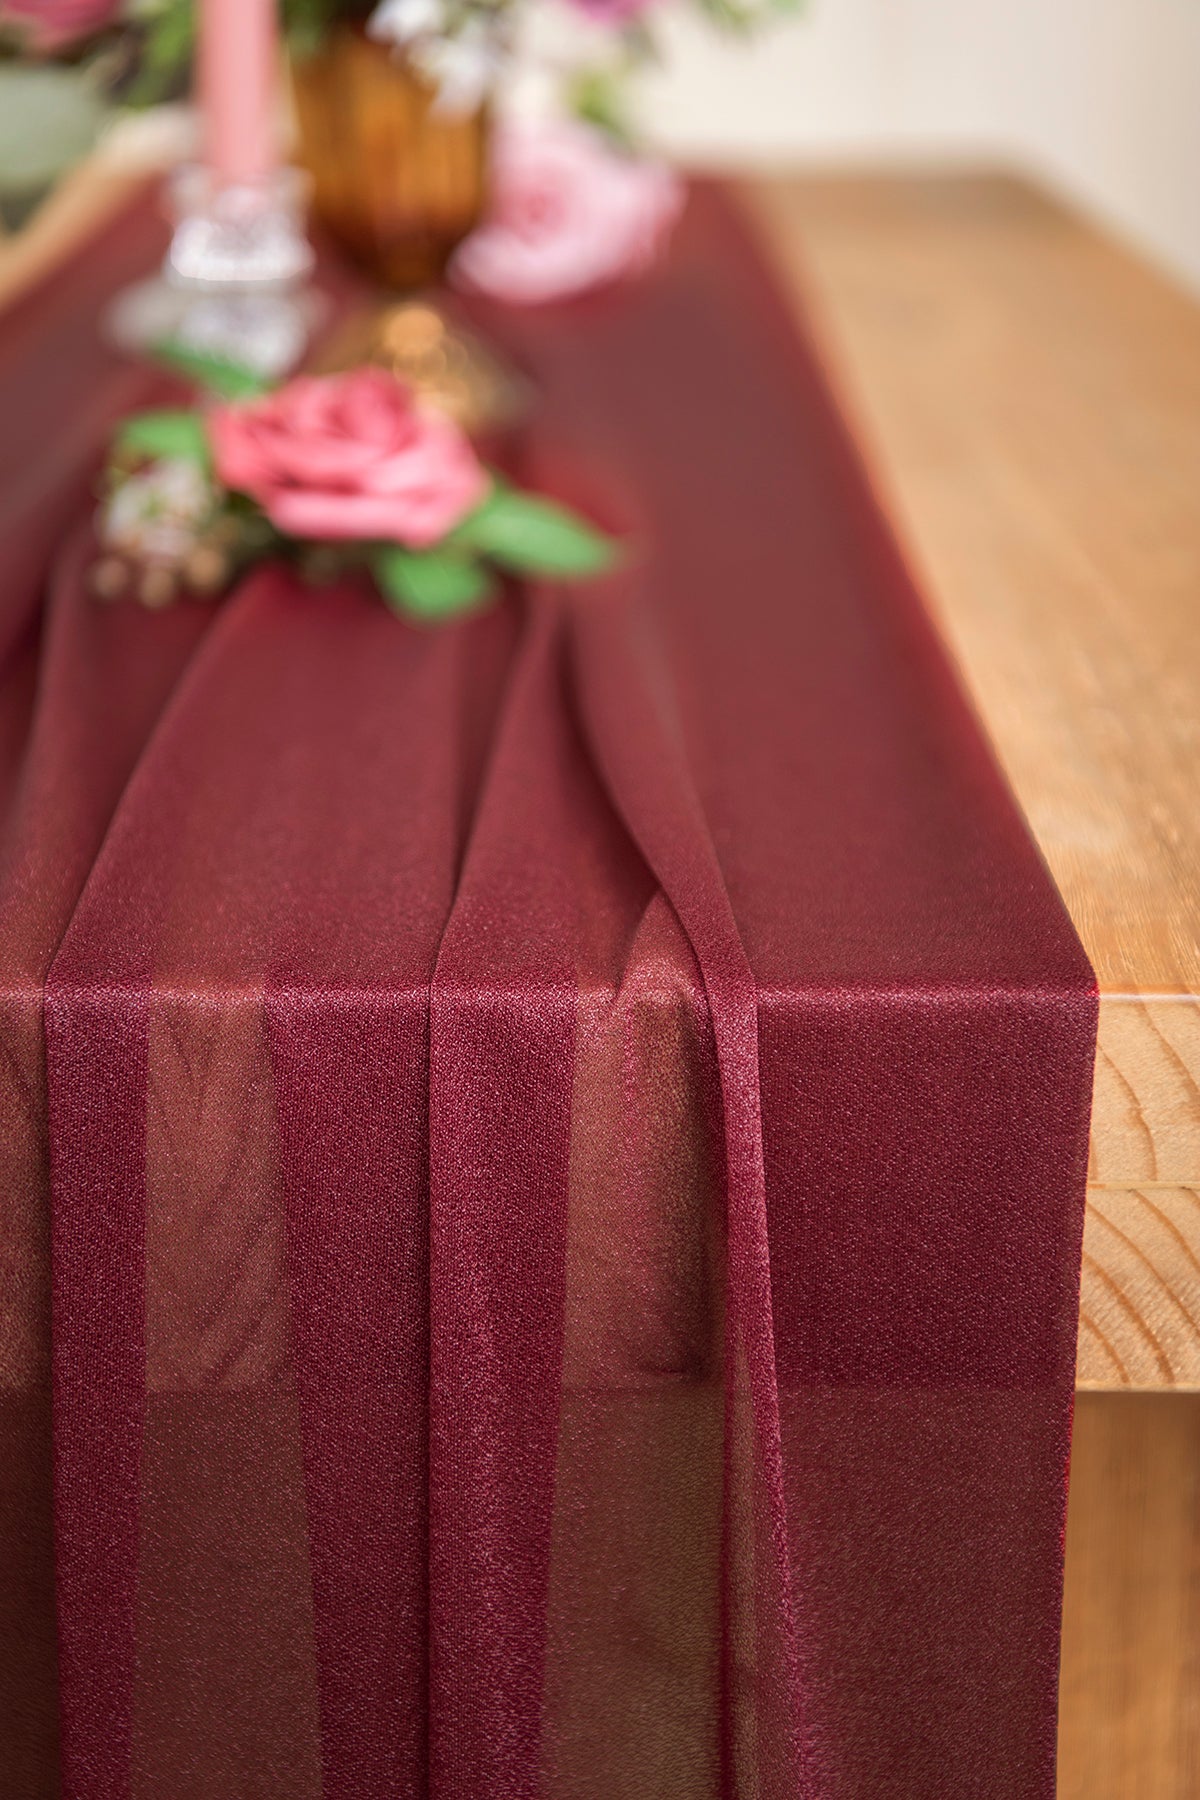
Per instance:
(238,236)
(233,282)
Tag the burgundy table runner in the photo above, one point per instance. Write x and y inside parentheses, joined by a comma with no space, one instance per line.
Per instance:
(544,1158)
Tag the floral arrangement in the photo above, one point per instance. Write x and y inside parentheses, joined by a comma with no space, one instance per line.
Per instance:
(137,50)
(65,63)
(334,473)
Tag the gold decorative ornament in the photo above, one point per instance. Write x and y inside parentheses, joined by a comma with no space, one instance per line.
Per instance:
(443,362)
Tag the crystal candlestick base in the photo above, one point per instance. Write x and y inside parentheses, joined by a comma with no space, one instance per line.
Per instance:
(232,286)
(247,237)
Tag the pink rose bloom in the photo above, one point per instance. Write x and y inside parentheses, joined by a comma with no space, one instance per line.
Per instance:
(349,456)
(50,25)
(568,213)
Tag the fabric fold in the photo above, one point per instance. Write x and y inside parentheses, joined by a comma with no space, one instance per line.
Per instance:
(761,1698)
(515,977)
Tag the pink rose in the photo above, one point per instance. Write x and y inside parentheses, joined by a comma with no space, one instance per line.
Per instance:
(349,456)
(50,25)
(568,213)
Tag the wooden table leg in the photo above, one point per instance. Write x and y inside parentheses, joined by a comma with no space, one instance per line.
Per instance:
(1130,1718)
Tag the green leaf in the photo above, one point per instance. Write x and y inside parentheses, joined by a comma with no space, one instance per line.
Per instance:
(730,15)
(167,44)
(536,537)
(50,117)
(174,436)
(307,22)
(596,97)
(228,380)
(429,584)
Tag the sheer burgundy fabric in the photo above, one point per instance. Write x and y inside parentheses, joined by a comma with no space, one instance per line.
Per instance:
(544,1158)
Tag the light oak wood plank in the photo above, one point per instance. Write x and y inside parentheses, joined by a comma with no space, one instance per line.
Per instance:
(1146,1101)
(1139,1311)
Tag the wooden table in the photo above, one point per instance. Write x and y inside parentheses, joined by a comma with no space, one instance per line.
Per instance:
(1029,396)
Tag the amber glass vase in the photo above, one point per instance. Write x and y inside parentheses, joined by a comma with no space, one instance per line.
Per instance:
(396,183)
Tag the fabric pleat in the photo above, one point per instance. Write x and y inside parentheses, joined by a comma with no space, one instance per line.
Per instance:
(544,1157)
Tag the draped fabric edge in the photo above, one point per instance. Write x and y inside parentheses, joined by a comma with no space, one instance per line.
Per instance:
(691,880)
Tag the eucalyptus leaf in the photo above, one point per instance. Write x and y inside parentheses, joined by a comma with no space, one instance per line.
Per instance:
(50,117)
(429,584)
(165,436)
(536,537)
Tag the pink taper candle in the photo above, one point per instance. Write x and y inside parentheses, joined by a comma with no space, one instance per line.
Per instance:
(238,75)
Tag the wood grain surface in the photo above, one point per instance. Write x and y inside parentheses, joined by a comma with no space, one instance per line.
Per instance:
(1139,1307)
(1028,395)
(1129,1720)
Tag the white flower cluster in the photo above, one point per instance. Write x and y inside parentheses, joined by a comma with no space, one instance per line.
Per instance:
(459,52)
(158,515)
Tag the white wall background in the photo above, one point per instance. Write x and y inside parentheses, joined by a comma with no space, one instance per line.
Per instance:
(1099,97)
